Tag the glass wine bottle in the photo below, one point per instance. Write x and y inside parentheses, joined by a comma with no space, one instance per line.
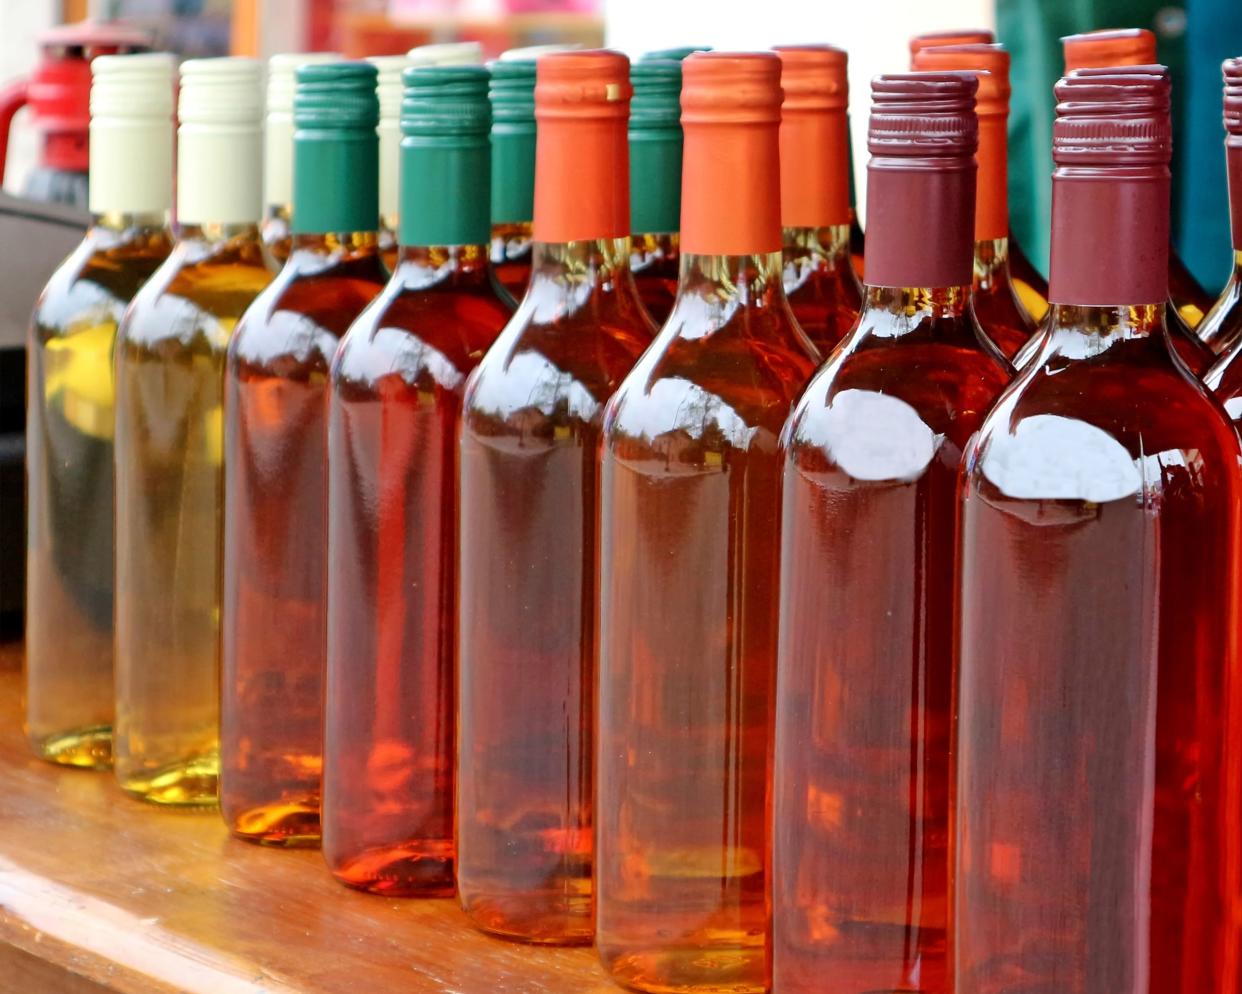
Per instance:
(1221,327)
(689,523)
(170,439)
(70,411)
(512,95)
(994,297)
(1096,841)
(860,869)
(655,182)
(1108,50)
(394,411)
(531,423)
(278,147)
(275,454)
(819,279)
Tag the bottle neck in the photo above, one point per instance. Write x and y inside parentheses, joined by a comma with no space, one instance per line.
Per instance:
(714,220)
(214,235)
(911,308)
(316,252)
(218,174)
(1233,164)
(335,181)
(992,264)
(127,223)
(825,249)
(713,287)
(1110,236)
(131,167)
(443,191)
(815,169)
(1081,332)
(920,221)
(992,185)
(422,266)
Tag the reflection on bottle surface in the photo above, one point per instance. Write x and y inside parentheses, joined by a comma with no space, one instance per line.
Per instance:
(69,468)
(861,772)
(271,734)
(690,518)
(511,254)
(1097,836)
(169,438)
(528,492)
(823,291)
(392,607)
(655,262)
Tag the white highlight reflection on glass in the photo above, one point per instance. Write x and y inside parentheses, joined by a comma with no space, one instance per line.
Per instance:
(874,436)
(1050,457)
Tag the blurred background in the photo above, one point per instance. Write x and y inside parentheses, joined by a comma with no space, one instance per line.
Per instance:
(1194,37)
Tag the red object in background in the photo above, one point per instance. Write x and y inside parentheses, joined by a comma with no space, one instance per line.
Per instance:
(58,91)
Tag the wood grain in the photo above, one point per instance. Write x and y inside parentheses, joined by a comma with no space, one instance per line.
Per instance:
(100,893)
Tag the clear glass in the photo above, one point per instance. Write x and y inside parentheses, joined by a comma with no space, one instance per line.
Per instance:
(656,262)
(169,511)
(276,233)
(1097,829)
(390,251)
(858,244)
(860,854)
(995,301)
(1222,326)
(689,558)
(531,426)
(1028,282)
(390,700)
(511,256)
(69,486)
(1190,300)
(275,553)
(820,284)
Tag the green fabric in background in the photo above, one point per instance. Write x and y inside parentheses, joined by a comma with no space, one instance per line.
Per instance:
(1032,31)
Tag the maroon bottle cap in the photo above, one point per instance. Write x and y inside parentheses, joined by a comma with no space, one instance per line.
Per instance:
(921,188)
(924,114)
(1113,118)
(1232,72)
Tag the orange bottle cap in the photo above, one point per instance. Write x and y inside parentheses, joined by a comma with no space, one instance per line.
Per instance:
(1122,47)
(731,114)
(990,63)
(582,185)
(958,36)
(814,140)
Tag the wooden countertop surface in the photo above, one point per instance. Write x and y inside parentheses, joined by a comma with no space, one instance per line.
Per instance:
(101,893)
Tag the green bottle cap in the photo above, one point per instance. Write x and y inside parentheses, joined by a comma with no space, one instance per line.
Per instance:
(335,149)
(445,156)
(673,54)
(655,147)
(513,142)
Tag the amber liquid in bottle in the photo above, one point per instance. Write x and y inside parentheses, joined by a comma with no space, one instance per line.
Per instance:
(529,506)
(690,484)
(995,300)
(655,261)
(69,487)
(271,734)
(395,409)
(511,256)
(820,284)
(1221,328)
(169,510)
(1098,671)
(861,805)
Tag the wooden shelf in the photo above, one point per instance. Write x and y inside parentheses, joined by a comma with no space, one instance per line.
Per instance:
(101,893)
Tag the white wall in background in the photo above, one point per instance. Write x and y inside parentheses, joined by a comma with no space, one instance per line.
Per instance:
(20,22)
(874,32)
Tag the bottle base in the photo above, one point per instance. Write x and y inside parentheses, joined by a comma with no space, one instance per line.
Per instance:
(189,783)
(292,824)
(534,921)
(416,869)
(731,969)
(86,748)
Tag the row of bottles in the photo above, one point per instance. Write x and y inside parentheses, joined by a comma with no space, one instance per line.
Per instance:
(659,637)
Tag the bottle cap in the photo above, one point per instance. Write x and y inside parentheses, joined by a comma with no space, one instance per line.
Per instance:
(456,53)
(815,167)
(731,112)
(445,156)
(957,36)
(220,150)
(990,63)
(582,104)
(1113,117)
(1122,47)
(131,133)
(1232,72)
(336,149)
(512,95)
(278,127)
(921,191)
(679,54)
(655,146)
(388,90)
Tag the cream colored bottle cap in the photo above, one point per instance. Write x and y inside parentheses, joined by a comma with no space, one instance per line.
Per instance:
(532,52)
(278,126)
(131,135)
(220,145)
(457,53)
(388,89)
